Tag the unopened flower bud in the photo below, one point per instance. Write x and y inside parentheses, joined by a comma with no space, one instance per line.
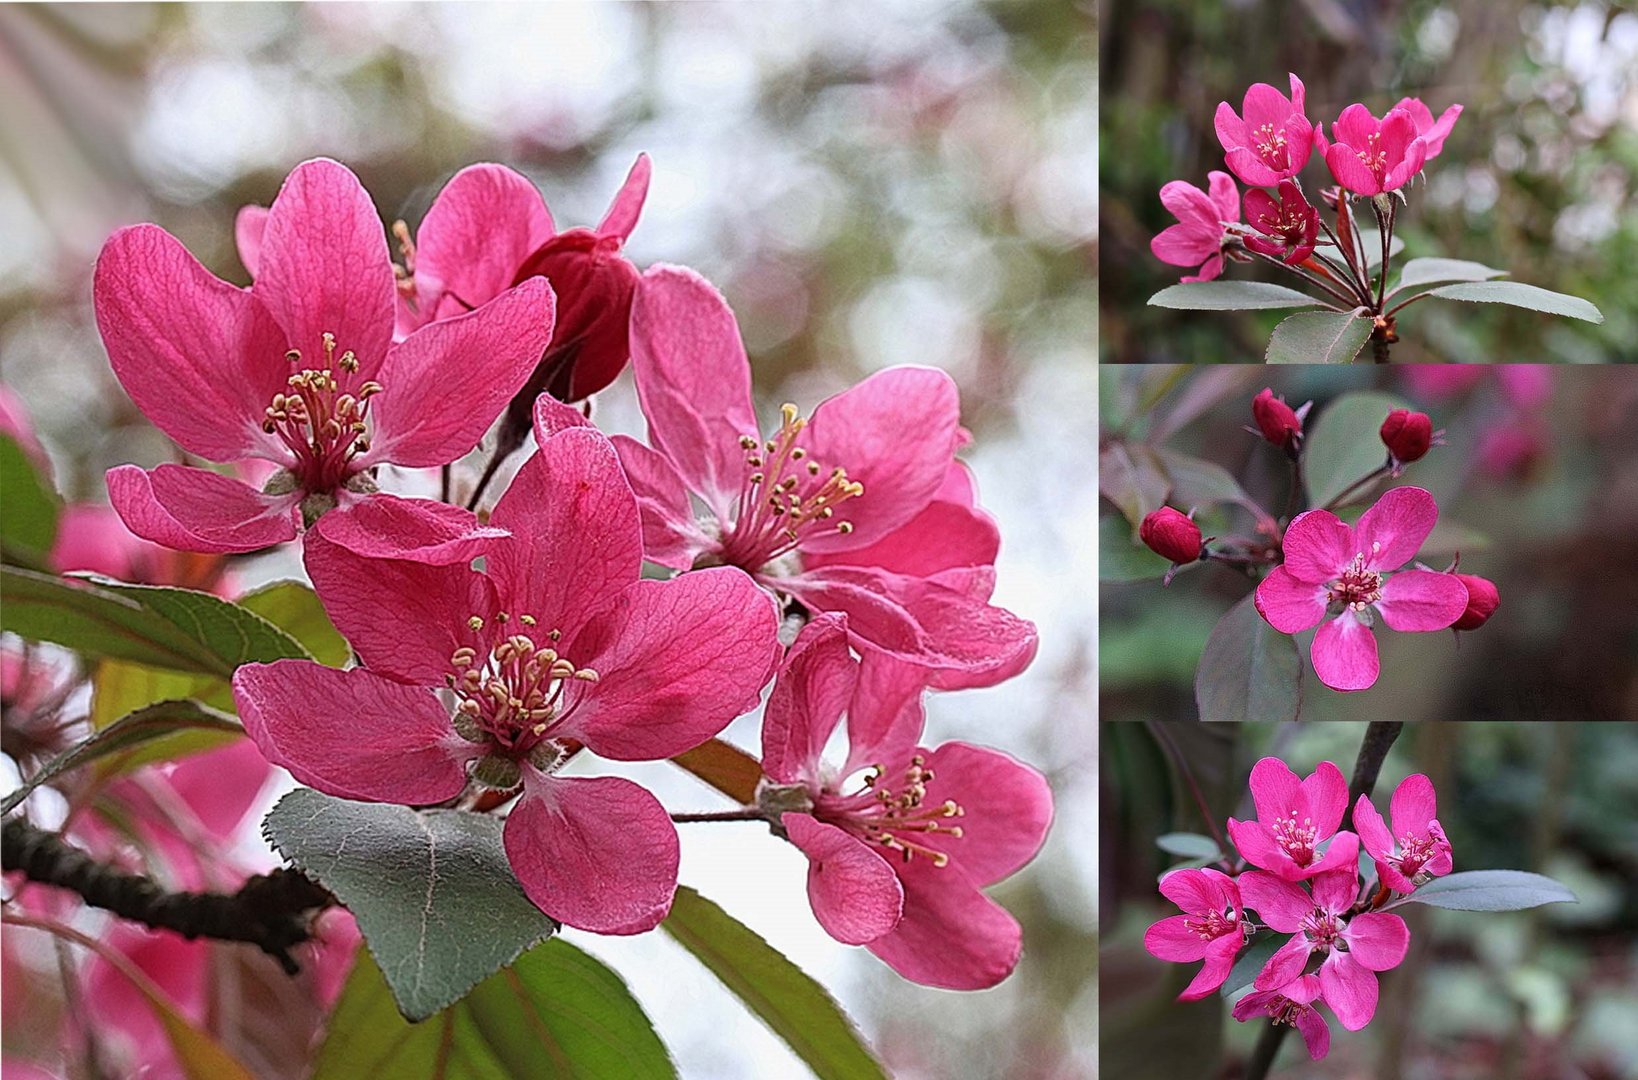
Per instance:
(1482,602)
(1407,435)
(1277,421)
(1171,535)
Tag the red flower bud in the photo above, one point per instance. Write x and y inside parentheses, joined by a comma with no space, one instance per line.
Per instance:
(1482,602)
(594,284)
(1171,535)
(1275,419)
(1407,435)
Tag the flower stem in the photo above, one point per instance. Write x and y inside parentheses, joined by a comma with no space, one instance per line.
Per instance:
(1342,497)
(746,813)
(1337,294)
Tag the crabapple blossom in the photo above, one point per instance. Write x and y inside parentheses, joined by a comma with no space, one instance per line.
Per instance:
(1294,820)
(1212,927)
(1201,233)
(1431,131)
(1368,156)
(1297,1004)
(1269,139)
(1289,225)
(1416,846)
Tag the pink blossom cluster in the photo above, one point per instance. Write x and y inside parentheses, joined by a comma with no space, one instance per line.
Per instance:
(498,652)
(1298,877)
(1266,144)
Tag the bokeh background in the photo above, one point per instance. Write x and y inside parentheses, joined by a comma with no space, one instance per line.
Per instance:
(870,184)
(1539,177)
(1537,488)
(1547,994)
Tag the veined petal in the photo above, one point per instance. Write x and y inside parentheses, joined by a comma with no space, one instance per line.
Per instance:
(1422,600)
(383,526)
(886,716)
(1276,790)
(248,226)
(1289,605)
(1006,809)
(1326,793)
(1349,989)
(1318,546)
(1414,806)
(944,536)
(1224,195)
(1286,964)
(1259,848)
(1336,890)
(1373,832)
(1349,171)
(199,510)
(1377,939)
(672,537)
(814,687)
(1344,654)
(1199,891)
(855,895)
(1250,168)
(1391,532)
(952,935)
(1341,854)
(352,733)
(1171,939)
(1316,1033)
(627,204)
(1280,903)
(1183,245)
(594,853)
(481,227)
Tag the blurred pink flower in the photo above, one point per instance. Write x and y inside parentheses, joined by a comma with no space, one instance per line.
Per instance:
(1293,1004)
(15,422)
(1368,156)
(1512,452)
(1437,382)
(1289,226)
(1294,820)
(1431,131)
(1270,139)
(1329,565)
(1211,928)
(1201,232)
(557,645)
(1416,846)
(898,864)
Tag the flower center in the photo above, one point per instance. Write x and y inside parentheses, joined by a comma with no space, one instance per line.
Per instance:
(1324,930)
(1357,587)
(783,497)
(1373,156)
(1213,924)
(1296,837)
(324,427)
(1414,853)
(1285,1011)
(516,692)
(1270,143)
(895,817)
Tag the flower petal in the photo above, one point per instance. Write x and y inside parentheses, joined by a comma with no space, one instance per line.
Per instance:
(1341,854)
(1335,891)
(627,204)
(1288,605)
(1422,600)
(383,526)
(1276,790)
(1286,964)
(1215,971)
(1198,891)
(199,510)
(594,853)
(952,935)
(676,661)
(943,536)
(1390,533)
(481,227)
(1258,847)
(1349,989)
(1005,810)
(1184,245)
(1282,904)
(855,895)
(352,733)
(1171,939)
(1372,831)
(814,687)
(693,381)
(885,719)
(1413,806)
(1344,654)
(324,267)
(1349,171)
(1326,793)
(1318,546)
(1225,196)
(672,537)
(1316,1033)
(201,358)
(1378,940)
(248,226)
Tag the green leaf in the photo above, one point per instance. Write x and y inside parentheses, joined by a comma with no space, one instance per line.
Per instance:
(28,528)
(1122,560)
(1188,845)
(1518,294)
(1230,296)
(784,997)
(176,629)
(1131,476)
(1490,890)
(140,727)
(1345,442)
(1251,961)
(1196,482)
(1427,271)
(433,892)
(555,1014)
(295,609)
(725,767)
(1319,337)
(1249,670)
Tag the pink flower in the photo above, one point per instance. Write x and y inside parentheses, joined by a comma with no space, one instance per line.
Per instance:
(1212,927)
(1271,139)
(897,860)
(1370,156)
(300,370)
(1289,227)
(1201,231)
(557,645)
(1430,131)
(1294,1004)
(1354,947)
(1329,566)
(1294,820)
(861,509)
(1416,846)
(91,538)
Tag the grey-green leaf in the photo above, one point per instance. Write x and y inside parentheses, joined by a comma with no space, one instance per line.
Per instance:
(1518,294)
(785,997)
(1230,296)
(1189,845)
(1371,243)
(1345,443)
(1120,558)
(555,1014)
(1249,671)
(1491,890)
(1427,271)
(1318,337)
(434,895)
(1251,961)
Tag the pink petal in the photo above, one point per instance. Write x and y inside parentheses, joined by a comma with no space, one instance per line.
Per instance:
(1258,847)
(1264,104)
(1326,793)
(199,510)
(1413,806)
(1435,135)
(1355,126)
(248,226)
(1286,964)
(855,895)
(1171,939)
(1394,878)
(693,381)
(1259,205)
(1349,171)
(575,541)
(885,718)
(677,661)
(324,267)
(92,538)
(1336,890)
(404,619)
(812,690)
(672,537)
(1316,1033)
(221,786)
(1344,654)
(1225,196)
(1377,940)
(1422,600)
(1349,989)
(1184,245)
(1276,790)
(628,202)
(479,230)
(383,526)
(1210,270)
(1251,169)
(1215,971)
(1291,606)
(352,733)
(487,354)
(1200,891)
(1281,904)
(1231,129)
(201,358)
(550,416)
(1318,546)
(1391,532)
(1192,207)
(1006,809)
(952,935)
(596,853)
(1397,132)
(1373,832)
(1341,854)
(865,430)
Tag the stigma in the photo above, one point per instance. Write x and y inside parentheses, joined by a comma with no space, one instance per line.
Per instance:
(784,496)
(513,691)
(324,426)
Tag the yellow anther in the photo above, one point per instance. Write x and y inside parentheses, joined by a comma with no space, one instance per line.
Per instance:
(526,620)
(475,622)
